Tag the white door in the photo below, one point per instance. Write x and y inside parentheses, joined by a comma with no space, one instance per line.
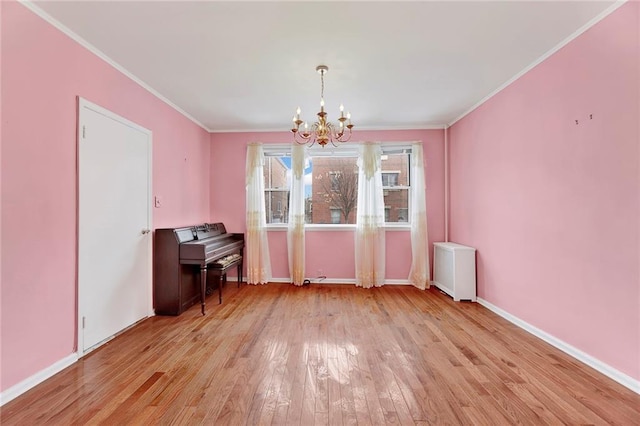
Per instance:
(114,243)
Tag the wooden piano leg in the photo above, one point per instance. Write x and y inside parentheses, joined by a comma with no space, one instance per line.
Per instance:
(203,286)
(221,280)
(240,266)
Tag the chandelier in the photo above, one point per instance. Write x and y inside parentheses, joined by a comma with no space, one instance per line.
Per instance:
(322,131)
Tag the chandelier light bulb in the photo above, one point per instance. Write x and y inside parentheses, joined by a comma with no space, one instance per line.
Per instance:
(321,102)
(341,107)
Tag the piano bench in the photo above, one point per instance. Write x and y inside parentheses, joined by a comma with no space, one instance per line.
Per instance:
(219,271)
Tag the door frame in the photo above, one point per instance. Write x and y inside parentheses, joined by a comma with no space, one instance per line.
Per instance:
(83,105)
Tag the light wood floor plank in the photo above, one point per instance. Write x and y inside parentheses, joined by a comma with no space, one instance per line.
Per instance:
(327,355)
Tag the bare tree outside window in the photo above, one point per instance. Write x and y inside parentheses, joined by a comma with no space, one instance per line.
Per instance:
(336,186)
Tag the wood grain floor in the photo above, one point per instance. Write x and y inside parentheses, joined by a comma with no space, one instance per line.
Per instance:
(327,354)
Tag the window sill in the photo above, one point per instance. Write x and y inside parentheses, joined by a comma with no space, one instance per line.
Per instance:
(397,227)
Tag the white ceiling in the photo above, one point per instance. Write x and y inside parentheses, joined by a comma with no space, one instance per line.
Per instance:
(242,66)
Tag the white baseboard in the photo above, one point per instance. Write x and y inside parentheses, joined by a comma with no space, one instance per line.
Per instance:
(28,383)
(397,282)
(327,281)
(607,370)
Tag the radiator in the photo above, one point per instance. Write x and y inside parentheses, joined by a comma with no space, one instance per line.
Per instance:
(454,270)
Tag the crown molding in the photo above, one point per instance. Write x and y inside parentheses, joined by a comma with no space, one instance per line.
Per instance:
(542,58)
(367,128)
(91,48)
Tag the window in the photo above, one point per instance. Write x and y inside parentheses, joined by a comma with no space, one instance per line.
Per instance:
(395,184)
(276,183)
(331,184)
(335,215)
(390,178)
(335,181)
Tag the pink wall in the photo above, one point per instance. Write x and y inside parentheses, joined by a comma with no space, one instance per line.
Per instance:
(1,127)
(331,251)
(553,207)
(42,73)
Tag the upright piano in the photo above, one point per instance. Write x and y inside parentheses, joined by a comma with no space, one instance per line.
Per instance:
(185,258)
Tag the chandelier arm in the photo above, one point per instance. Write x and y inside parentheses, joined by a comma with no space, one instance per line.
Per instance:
(335,135)
(301,140)
(340,139)
(343,139)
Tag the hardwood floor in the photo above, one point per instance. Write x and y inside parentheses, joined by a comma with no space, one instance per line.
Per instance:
(327,354)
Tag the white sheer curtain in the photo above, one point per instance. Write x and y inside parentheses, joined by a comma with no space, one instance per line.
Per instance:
(257,247)
(419,273)
(295,230)
(370,241)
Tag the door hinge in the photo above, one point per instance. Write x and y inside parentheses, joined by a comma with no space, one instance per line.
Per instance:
(83,322)
(84,132)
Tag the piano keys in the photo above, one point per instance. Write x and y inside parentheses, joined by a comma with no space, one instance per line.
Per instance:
(186,259)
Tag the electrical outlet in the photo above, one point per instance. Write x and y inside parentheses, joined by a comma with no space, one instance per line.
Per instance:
(158,202)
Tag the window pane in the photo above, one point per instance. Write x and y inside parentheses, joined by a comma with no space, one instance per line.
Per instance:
(395,170)
(396,203)
(395,174)
(277,173)
(277,206)
(334,190)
